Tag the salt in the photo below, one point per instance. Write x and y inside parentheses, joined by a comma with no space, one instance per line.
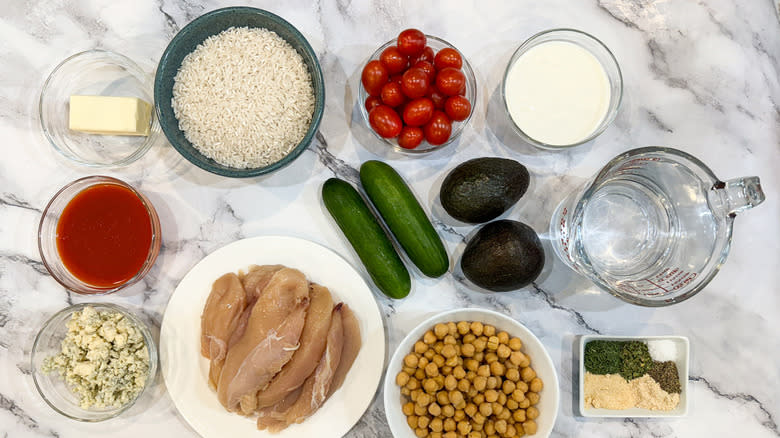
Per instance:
(662,350)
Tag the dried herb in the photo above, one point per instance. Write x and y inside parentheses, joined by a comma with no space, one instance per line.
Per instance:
(665,373)
(635,360)
(603,357)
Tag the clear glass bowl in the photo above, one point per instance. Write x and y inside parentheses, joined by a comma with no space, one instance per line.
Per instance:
(457,127)
(47,236)
(52,387)
(95,73)
(597,49)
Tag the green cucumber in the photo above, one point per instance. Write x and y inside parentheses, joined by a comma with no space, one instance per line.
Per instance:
(367,237)
(405,217)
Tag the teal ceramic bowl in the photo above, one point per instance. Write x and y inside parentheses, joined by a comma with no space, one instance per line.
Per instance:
(188,39)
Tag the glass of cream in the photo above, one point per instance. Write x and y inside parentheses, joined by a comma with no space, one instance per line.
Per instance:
(561,88)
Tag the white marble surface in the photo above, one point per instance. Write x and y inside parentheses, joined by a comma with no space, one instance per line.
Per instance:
(701,76)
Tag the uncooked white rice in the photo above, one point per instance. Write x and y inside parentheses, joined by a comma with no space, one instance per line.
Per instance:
(244,97)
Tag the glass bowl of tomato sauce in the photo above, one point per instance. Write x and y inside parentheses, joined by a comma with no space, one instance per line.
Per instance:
(469,92)
(98,235)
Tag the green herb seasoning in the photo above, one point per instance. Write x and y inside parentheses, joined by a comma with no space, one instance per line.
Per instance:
(603,357)
(635,360)
(665,373)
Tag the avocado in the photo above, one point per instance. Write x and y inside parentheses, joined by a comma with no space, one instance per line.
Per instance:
(481,189)
(504,255)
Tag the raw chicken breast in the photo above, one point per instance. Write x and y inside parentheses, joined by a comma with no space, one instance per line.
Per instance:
(254,283)
(313,341)
(352,343)
(272,333)
(268,417)
(316,386)
(221,315)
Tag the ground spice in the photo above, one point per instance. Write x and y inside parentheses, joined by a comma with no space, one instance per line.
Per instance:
(665,373)
(635,360)
(602,357)
(608,391)
(651,396)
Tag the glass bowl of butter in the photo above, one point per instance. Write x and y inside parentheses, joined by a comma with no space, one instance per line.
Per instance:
(91,362)
(97,109)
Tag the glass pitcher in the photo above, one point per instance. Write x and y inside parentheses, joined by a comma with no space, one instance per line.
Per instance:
(653,226)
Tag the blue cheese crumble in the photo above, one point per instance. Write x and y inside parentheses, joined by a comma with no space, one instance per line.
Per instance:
(103,358)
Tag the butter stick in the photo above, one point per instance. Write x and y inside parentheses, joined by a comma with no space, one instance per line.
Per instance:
(110,115)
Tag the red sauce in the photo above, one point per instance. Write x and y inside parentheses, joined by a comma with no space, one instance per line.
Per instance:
(104,235)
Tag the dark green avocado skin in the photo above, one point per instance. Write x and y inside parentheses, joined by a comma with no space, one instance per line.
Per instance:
(481,189)
(504,255)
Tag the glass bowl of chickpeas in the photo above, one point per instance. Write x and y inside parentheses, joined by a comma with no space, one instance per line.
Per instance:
(471,373)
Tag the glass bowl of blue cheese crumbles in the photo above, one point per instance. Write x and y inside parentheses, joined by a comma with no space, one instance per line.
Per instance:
(91,362)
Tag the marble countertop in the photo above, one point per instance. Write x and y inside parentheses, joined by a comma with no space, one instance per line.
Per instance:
(699,76)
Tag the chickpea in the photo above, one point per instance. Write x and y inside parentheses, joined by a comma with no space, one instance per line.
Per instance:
(519,415)
(532,413)
(446,369)
(518,395)
(515,344)
(460,414)
(435,434)
(442,398)
(476,328)
(519,359)
(449,339)
(512,374)
(448,351)
(405,391)
(464,385)
(471,375)
(430,385)
(511,404)
(459,372)
(470,409)
(480,356)
(434,409)
(450,434)
(529,427)
(419,374)
(503,352)
(449,424)
(491,395)
(471,364)
(503,414)
(402,379)
(501,426)
(497,408)
(412,421)
(483,371)
(468,339)
(438,360)
(478,399)
(489,330)
(408,370)
(476,426)
(414,394)
(474,434)
(419,410)
(421,433)
(424,399)
(467,350)
(456,398)
(490,427)
(452,328)
(503,337)
(524,403)
(464,427)
(491,357)
(420,347)
(527,374)
(408,408)
(429,338)
(463,327)
(422,362)
(502,398)
(423,421)
(448,411)
(437,424)
(439,381)
(511,431)
(450,382)
(508,387)
(480,382)
(411,360)
(493,382)
(522,386)
(438,347)
(519,427)
(429,353)
(440,330)
(497,369)
(413,384)
(472,392)
(535,385)
(486,409)
(532,397)
(492,343)
(480,344)
(452,362)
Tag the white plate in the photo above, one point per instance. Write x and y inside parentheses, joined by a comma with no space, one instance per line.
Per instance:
(186,371)
(532,346)
(683,351)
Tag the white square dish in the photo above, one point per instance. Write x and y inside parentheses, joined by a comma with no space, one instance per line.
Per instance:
(683,353)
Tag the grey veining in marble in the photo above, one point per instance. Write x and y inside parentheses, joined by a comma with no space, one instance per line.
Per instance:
(702,76)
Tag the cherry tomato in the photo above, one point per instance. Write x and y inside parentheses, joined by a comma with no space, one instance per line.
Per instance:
(426,55)
(457,108)
(393,60)
(447,57)
(415,83)
(411,42)
(437,98)
(450,81)
(428,68)
(418,112)
(385,121)
(438,129)
(372,102)
(374,77)
(395,78)
(410,137)
(392,94)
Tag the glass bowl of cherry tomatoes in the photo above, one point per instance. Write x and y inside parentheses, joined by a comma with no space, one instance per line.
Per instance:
(417,92)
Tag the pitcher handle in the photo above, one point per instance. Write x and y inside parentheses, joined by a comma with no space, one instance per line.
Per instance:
(740,194)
